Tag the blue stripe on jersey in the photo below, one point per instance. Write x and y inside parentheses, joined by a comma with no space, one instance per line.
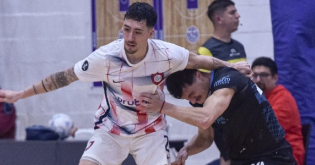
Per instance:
(273,125)
(106,111)
(107,114)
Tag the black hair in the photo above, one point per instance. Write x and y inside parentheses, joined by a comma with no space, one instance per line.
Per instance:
(178,80)
(218,6)
(267,62)
(140,11)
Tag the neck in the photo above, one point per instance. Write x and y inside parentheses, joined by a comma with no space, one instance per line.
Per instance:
(222,35)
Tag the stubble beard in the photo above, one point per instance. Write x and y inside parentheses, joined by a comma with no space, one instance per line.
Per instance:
(130,51)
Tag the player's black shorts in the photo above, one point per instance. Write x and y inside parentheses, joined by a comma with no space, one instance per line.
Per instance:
(281,156)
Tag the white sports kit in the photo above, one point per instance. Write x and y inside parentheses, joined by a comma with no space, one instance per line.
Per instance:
(120,128)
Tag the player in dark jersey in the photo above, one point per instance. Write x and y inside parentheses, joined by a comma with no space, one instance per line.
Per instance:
(234,105)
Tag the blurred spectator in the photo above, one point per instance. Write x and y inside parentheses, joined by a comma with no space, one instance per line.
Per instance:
(265,75)
(7,120)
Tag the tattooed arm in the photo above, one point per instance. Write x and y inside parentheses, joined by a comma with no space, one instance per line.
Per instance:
(211,63)
(50,83)
(205,62)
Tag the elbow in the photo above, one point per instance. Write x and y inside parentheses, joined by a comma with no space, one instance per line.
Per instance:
(205,123)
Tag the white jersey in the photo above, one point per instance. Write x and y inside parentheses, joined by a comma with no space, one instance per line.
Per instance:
(124,82)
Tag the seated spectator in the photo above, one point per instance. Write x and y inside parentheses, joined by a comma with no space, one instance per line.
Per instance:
(282,102)
(7,120)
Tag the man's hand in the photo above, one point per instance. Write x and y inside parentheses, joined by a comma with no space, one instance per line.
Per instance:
(150,103)
(181,157)
(10,96)
(73,131)
(244,68)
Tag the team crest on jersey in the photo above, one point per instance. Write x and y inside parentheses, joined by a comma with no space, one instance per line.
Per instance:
(157,78)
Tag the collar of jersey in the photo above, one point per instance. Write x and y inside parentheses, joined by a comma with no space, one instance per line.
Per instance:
(145,58)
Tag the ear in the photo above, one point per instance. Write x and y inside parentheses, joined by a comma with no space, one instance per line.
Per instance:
(198,75)
(217,19)
(275,77)
(151,32)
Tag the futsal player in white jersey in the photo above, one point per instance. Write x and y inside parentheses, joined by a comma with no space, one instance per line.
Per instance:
(127,67)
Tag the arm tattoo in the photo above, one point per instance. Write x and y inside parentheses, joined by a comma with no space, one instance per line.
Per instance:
(195,66)
(215,63)
(60,79)
(44,86)
(34,89)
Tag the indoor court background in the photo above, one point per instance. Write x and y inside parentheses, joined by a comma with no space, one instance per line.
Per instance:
(40,37)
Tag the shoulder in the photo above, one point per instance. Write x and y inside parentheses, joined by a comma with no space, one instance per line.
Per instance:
(162,44)
(211,42)
(227,71)
(236,42)
(283,92)
(167,49)
(227,77)
(112,47)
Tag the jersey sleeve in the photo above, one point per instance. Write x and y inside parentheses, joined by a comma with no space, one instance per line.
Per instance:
(179,56)
(229,78)
(91,68)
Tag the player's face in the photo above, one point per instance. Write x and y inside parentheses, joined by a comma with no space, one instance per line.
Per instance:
(197,92)
(136,35)
(263,78)
(230,18)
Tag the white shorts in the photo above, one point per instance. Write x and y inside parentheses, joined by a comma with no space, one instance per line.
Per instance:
(110,149)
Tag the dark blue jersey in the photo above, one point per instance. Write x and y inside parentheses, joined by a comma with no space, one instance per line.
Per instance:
(249,126)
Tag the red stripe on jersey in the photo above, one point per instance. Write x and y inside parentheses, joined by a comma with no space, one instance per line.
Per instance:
(113,107)
(115,130)
(107,74)
(126,89)
(142,117)
(168,58)
(153,50)
(151,129)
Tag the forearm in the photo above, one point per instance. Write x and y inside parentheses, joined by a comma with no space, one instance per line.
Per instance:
(50,83)
(198,117)
(205,62)
(199,143)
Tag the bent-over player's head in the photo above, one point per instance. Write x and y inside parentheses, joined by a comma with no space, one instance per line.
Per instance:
(265,73)
(138,28)
(189,84)
(223,13)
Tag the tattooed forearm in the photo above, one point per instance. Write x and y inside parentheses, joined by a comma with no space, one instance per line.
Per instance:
(44,86)
(34,89)
(59,80)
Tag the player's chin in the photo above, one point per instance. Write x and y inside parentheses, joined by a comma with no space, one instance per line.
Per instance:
(200,100)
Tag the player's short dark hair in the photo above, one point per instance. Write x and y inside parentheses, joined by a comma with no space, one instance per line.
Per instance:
(267,62)
(178,80)
(218,6)
(140,11)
